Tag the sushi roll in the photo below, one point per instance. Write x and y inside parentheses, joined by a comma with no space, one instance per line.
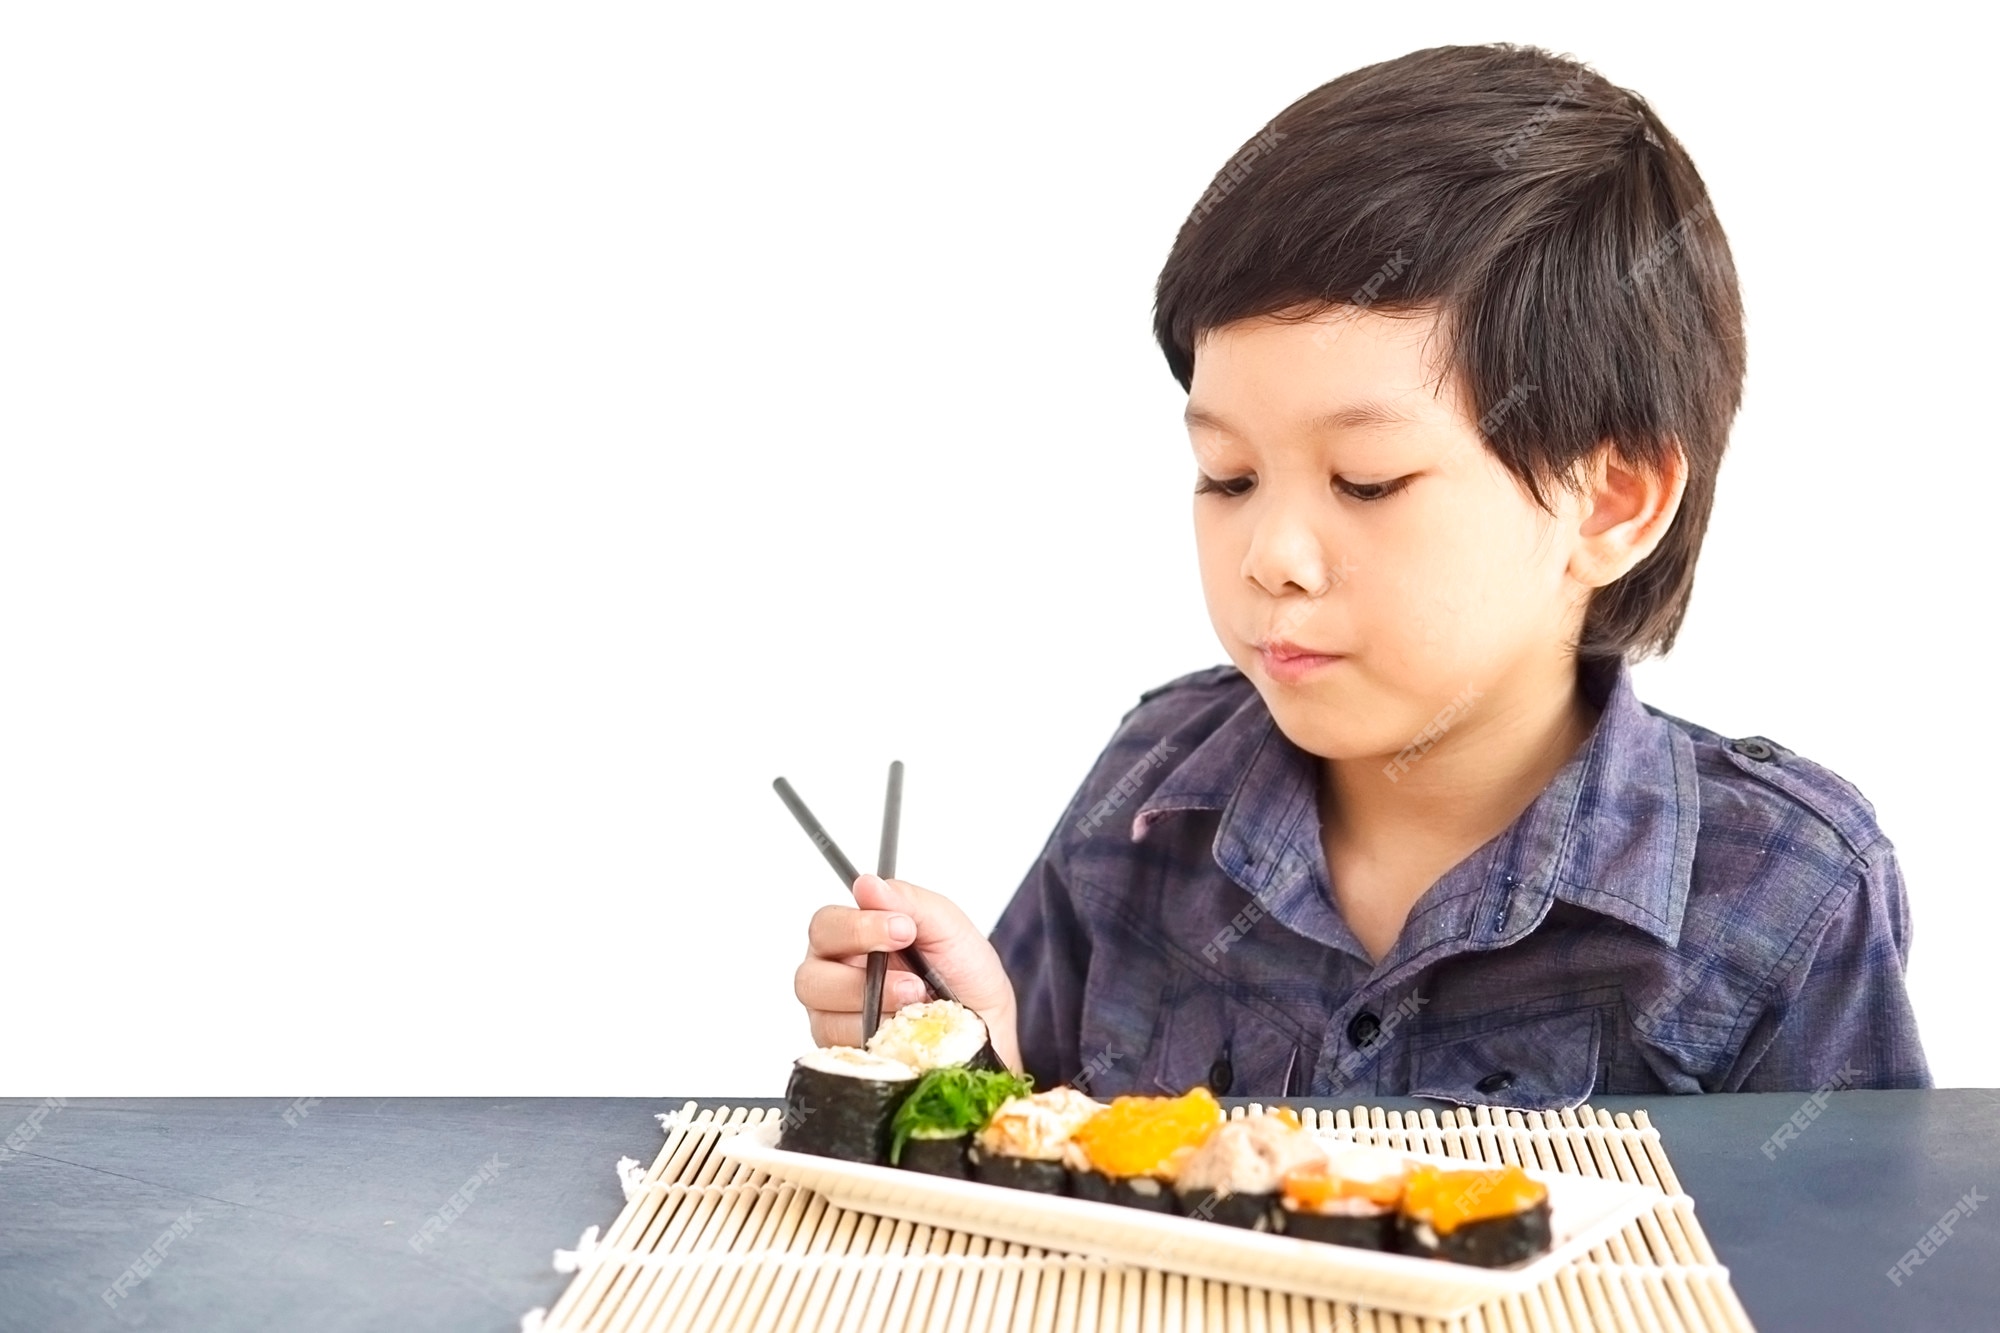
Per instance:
(840,1102)
(1348,1197)
(1234,1175)
(1129,1152)
(932,1129)
(935,1153)
(936,1034)
(1023,1143)
(1488,1218)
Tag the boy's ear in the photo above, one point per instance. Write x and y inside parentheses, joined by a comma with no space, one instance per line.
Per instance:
(1626,508)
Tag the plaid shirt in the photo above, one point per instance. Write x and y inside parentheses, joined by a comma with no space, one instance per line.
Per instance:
(1675,912)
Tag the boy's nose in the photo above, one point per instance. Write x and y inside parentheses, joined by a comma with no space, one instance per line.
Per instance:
(1285,555)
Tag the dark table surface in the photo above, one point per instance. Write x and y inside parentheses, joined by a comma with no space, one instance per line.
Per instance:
(305,1222)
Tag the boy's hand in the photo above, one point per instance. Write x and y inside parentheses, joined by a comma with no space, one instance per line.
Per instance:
(894,913)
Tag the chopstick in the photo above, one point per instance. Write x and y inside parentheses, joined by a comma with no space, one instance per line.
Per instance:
(885,866)
(911,958)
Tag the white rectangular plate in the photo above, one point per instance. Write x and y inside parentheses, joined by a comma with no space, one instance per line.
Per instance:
(1584,1212)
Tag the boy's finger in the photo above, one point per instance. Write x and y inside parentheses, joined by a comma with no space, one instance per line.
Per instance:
(837,932)
(859,962)
(889,895)
(937,918)
(835,1029)
(822,984)
(833,986)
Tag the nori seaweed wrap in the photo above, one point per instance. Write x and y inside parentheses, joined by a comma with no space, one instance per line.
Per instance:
(840,1102)
(1017,1173)
(1355,1222)
(931,1129)
(1148,1193)
(988,1059)
(1232,1176)
(1490,1218)
(1252,1212)
(1024,1141)
(1346,1198)
(1087,1182)
(936,1154)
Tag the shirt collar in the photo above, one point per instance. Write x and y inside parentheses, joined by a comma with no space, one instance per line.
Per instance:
(1613,832)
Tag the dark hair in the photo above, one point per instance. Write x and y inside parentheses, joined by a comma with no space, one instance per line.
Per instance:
(1585,289)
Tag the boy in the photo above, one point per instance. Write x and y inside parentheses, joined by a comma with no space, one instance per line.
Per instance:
(1462,344)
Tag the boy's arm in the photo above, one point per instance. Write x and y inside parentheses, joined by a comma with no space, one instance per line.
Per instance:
(1844,1018)
(1043,946)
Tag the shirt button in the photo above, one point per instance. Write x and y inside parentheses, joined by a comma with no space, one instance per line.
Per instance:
(1364,1028)
(1220,1076)
(1496,1081)
(1752,748)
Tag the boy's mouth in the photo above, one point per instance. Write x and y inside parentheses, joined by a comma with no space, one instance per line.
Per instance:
(1287,661)
(1286,648)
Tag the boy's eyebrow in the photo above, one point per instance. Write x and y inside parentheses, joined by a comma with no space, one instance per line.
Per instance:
(1367,412)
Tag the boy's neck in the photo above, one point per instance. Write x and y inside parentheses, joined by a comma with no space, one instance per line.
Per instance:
(1474,780)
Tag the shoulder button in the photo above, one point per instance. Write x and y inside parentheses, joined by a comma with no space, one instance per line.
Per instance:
(1752,747)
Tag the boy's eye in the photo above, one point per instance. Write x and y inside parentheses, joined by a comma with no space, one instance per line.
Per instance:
(1207,485)
(1372,490)
(1362,491)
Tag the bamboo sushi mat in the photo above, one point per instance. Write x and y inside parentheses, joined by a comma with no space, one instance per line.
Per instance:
(705,1243)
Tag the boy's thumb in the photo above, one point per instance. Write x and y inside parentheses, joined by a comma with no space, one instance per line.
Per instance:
(882,895)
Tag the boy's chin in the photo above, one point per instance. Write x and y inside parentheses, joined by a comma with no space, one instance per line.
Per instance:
(1324,730)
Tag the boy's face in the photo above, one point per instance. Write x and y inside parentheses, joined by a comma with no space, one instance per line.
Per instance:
(1450,577)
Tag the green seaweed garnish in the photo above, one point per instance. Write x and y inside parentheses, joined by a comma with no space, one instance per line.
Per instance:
(953,1101)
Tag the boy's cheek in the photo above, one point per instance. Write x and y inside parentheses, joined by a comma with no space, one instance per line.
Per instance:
(1353,722)
(1432,643)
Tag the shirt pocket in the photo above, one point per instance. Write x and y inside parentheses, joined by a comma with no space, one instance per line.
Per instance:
(1544,1063)
(1236,1039)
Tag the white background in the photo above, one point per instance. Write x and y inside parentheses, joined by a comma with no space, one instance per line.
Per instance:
(456,456)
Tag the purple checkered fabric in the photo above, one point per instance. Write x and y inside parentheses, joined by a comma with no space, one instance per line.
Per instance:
(1677,911)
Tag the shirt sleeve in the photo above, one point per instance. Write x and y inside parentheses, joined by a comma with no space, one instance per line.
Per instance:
(1843,1019)
(1046,951)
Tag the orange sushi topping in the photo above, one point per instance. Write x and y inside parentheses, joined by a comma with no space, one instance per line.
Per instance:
(1450,1199)
(1136,1136)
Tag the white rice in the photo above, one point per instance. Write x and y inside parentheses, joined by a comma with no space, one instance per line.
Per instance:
(936,1034)
(854,1061)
